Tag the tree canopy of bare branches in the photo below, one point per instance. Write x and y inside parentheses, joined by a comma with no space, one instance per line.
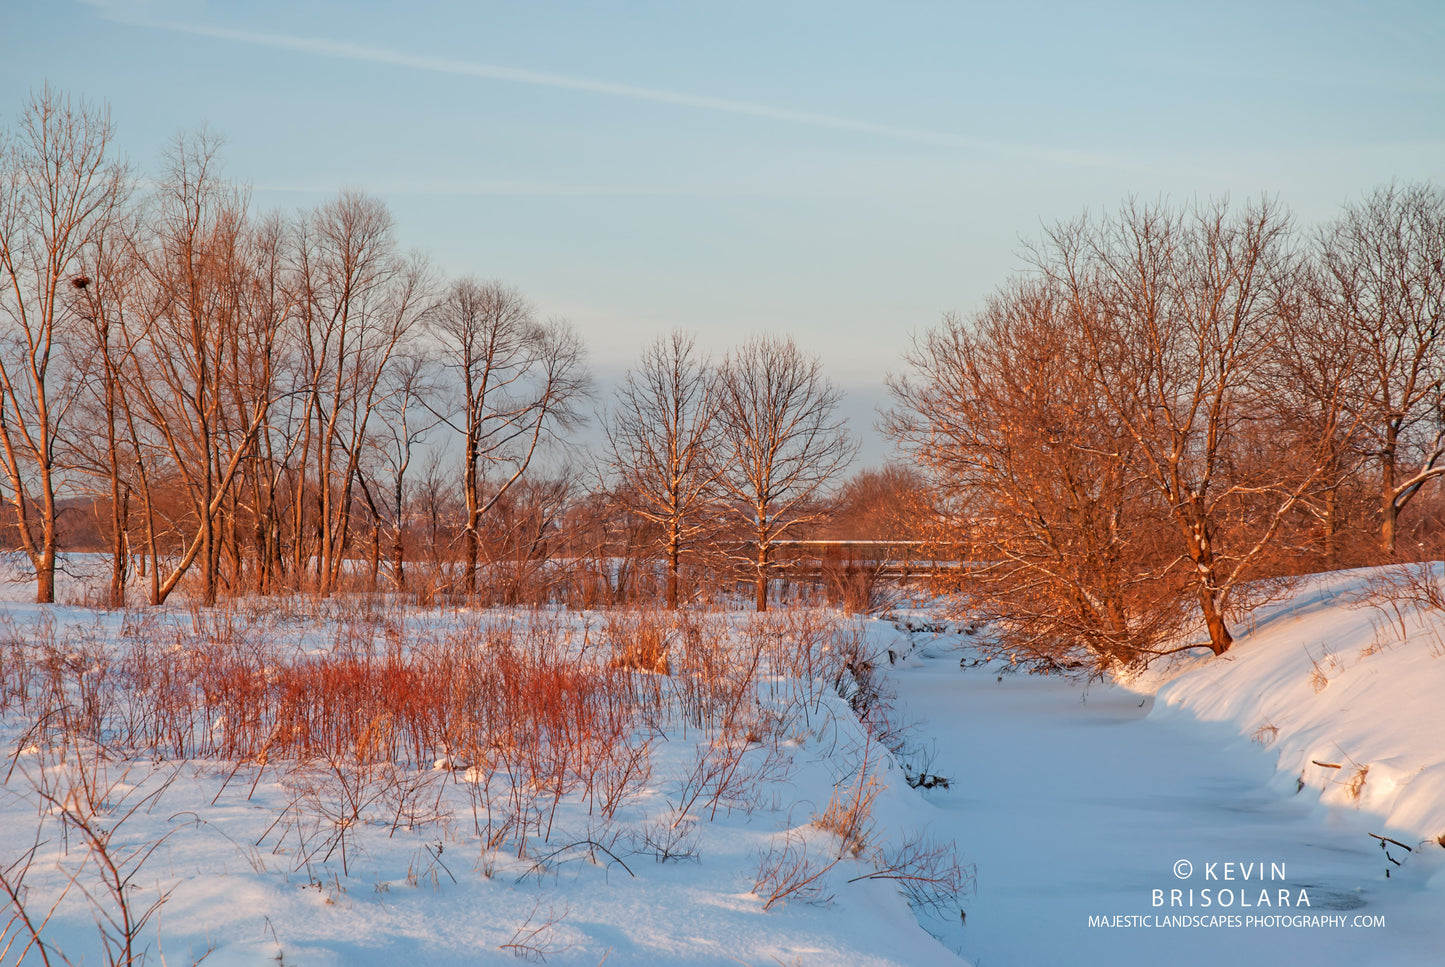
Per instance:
(890,503)
(781,440)
(1382,268)
(1181,312)
(1043,491)
(59,185)
(517,380)
(1116,422)
(661,439)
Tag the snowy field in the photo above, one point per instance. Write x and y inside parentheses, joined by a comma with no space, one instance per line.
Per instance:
(733,810)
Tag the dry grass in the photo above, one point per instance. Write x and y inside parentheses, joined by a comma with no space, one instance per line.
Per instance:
(86,802)
(928,873)
(1265,735)
(849,815)
(640,640)
(349,697)
(1355,785)
(1321,668)
(790,873)
(369,713)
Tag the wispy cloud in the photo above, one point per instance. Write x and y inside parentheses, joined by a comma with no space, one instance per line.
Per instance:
(504,189)
(367,53)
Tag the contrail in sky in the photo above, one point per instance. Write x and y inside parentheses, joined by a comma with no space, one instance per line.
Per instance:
(465,68)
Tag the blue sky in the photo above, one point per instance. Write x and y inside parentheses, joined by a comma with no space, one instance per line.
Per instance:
(842,172)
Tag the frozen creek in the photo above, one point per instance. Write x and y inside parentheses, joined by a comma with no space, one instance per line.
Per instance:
(1075,803)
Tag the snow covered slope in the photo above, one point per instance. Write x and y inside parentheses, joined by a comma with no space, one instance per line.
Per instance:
(1346,687)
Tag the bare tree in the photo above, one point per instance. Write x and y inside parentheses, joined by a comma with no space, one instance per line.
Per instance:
(1383,265)
(1114,428)
(359,302)
(58,185)
(202,378)
(407,413)
(883,504)
(660,441)
(107,290)
(1180,313)
(1313,380)
(518,380)
(522,534)
(1040,486)
(781,440)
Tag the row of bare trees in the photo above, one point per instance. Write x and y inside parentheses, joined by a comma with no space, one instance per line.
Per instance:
(744,448)
(1172,404)
(242,384)
(1176,402)
(258,401)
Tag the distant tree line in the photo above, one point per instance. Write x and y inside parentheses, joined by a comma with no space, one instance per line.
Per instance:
(1170,407)
(252,403)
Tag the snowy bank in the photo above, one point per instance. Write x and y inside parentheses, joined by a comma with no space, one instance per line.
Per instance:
(1346,687)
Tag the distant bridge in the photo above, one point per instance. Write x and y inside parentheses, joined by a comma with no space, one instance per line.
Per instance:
(891,558)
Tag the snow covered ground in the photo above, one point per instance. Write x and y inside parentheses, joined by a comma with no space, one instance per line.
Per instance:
(1070,803)
(716,849)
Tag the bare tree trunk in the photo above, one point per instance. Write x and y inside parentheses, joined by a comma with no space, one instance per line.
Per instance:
(1219,637)
(1332,526)
(45,573)
(208,543)
(762,575)
(119,549)
(474,504)
(1389,506)
(674,552)
(375,555)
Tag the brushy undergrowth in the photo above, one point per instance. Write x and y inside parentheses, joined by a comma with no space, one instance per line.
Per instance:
(406,719)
